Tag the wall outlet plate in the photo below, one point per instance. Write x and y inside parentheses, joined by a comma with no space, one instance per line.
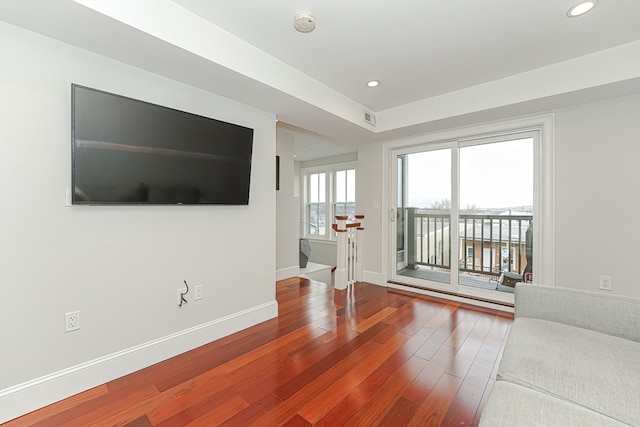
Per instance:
(72,321)
(197,292)
(605,283)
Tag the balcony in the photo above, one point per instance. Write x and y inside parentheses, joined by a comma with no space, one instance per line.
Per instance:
(494,250)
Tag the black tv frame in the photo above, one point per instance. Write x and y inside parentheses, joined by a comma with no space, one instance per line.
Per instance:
(128,151)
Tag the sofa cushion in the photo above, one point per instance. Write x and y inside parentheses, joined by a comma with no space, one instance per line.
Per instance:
(597,371)
(512,405)
(610,314)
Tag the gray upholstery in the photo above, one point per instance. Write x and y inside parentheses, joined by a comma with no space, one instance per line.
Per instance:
(607,313)
(572,358)
(512,405)
(577,365)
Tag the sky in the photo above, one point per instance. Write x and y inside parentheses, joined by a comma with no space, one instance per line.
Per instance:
(491,175)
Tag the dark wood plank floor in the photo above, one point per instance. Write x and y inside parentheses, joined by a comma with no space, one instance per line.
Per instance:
(367,356)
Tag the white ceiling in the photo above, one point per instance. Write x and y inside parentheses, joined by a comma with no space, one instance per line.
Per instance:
(442,63)
(420,49)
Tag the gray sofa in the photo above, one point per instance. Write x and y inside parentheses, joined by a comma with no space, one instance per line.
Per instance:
(572,358)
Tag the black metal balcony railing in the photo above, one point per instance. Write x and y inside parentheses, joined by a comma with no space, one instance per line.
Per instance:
(489,244)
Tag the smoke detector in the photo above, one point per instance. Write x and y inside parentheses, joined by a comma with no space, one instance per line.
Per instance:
(304,22)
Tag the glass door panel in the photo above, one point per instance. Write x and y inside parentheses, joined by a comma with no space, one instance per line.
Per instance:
(496,214)
(423,216)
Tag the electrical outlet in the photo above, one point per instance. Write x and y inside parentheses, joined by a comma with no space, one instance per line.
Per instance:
(605,283)
(197,292)
(72,321)
(179,293)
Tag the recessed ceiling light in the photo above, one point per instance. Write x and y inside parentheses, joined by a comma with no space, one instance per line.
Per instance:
(373,83)
(582,8)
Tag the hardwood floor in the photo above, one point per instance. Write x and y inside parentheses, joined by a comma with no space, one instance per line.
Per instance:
(367,356)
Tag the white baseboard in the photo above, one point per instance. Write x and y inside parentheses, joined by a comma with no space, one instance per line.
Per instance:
(287,272)
(375,277)
(39,392)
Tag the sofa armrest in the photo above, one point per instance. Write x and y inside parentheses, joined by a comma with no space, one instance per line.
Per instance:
(607,313)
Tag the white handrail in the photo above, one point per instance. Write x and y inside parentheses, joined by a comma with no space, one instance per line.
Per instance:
(350,256)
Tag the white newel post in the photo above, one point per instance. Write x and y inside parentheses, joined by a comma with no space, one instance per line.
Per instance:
(360,248)
(351,255)
(349,263)
(341,278)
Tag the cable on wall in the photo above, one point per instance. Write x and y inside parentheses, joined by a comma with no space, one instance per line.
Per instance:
(182,294)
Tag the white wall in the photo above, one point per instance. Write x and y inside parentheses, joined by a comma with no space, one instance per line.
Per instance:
(288,211)
(331,160)
(323,252)
(119,266)
(369,184)
(597,197)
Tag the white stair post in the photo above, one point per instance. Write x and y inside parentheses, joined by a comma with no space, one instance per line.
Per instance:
(360,249)
(350,255)
(341,277)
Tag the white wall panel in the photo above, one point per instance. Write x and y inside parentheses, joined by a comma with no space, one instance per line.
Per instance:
(119,266)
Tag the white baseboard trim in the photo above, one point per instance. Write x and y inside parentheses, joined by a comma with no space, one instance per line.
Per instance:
(287,272)
(39,392)
(375,277)
(455,298)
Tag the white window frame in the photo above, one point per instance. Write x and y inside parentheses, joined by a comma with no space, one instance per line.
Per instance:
(330,197)
(307,193)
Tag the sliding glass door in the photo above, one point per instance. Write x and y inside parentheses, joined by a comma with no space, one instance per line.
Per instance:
(463,214)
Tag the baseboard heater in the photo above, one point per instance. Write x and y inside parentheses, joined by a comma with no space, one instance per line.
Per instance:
(439,291)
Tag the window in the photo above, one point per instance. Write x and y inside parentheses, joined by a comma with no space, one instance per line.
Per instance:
(345,200)
(329,191)
(316,208)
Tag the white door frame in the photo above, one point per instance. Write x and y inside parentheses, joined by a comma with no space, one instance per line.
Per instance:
(544,189)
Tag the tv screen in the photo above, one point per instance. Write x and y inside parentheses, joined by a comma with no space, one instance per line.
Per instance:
(127,151)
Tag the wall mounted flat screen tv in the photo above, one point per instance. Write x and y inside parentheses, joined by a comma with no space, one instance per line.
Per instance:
(127,151)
